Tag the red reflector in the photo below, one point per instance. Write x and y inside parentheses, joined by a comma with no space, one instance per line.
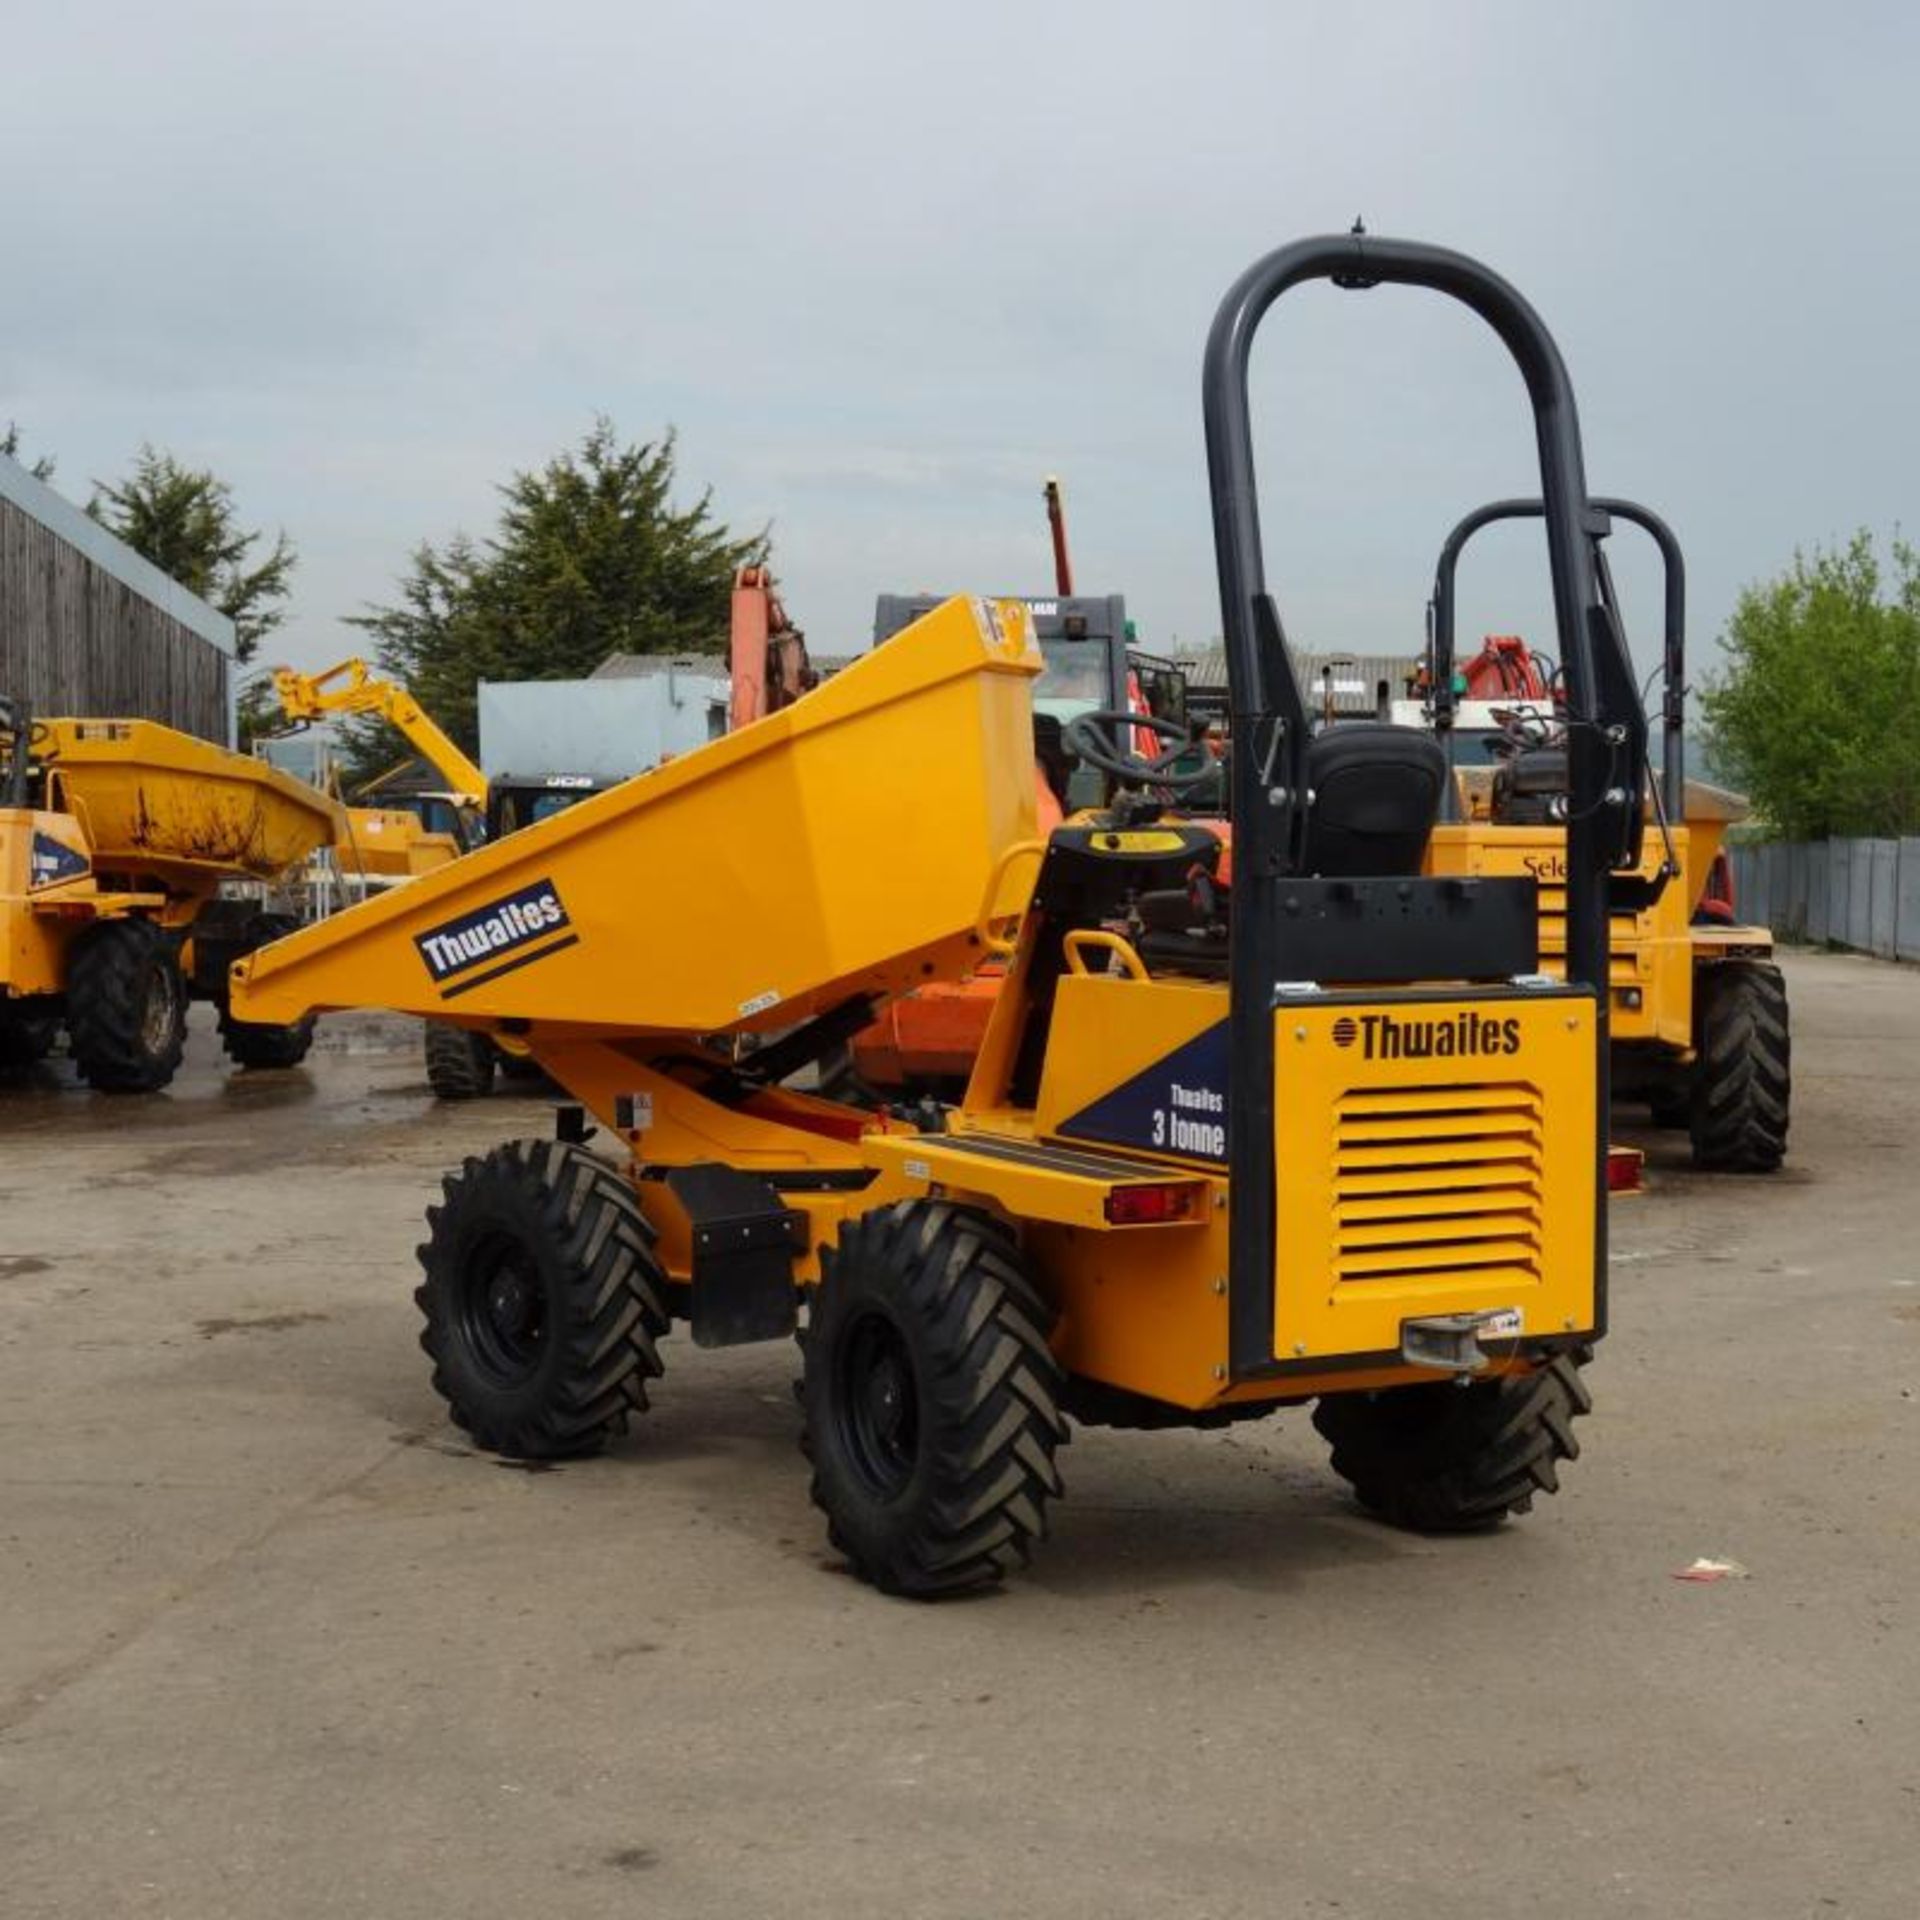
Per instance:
(1148,1206)
(1623,1169)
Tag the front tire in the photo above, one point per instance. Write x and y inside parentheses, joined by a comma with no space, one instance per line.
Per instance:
(1452,1459)
(543,1303)
(931,1401)
(126,1007)
(459,1064)
(1743,1076)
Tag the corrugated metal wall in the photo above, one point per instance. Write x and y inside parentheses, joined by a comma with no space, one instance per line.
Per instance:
(1863,894)
(87,627)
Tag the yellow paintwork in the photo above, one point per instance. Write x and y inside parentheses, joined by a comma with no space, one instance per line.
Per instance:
(1655,954)
(153,801)
(39,923)
(745,885)
(350,687)
(1452,1183)
(878,833)
(1107,1027)
(1650,962)
(389,843)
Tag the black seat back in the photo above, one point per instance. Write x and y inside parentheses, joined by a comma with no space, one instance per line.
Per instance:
(1376,794)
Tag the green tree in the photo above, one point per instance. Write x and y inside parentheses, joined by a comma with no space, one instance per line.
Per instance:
(1817,714)
(183,519)
(41,469)
(591,556)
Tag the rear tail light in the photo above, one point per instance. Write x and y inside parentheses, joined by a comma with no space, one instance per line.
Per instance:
(1149,1206)
(1624,1166)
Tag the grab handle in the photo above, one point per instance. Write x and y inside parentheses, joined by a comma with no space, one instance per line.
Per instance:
(1081,940)
(997,944)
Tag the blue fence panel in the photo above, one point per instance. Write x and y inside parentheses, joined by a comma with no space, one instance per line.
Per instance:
(1790,909)
(1859,925)
(1839,880)
(1760,908)
(1884,859)
(1906,905)
(1745,864)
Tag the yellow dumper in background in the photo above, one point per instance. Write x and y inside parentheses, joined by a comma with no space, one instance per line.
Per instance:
(116,838)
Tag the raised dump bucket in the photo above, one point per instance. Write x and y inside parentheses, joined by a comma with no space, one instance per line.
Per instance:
(854,842)
(155,801)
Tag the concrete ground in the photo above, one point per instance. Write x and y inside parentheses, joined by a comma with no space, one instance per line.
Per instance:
(277,1644)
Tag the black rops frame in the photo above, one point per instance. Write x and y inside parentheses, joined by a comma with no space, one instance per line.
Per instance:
(1673,702)
(1270,721)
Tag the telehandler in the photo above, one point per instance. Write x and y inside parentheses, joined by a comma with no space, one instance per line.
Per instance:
(392,843)
(1325,1134)
(1698,1008)
(118,839)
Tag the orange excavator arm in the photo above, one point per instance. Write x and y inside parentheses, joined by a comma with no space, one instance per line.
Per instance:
(766,652)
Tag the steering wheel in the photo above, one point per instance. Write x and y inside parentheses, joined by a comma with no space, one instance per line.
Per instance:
(1096,738)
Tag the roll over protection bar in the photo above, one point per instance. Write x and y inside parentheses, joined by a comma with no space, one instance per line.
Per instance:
(1268,794)
(1673,704)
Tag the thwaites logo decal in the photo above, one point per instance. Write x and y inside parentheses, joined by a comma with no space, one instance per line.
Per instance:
(1386,1036)
(1178,1105)
(494,939)
(49,862)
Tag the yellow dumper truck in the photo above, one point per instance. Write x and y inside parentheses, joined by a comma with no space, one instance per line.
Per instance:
(1321,1133)
(116,840)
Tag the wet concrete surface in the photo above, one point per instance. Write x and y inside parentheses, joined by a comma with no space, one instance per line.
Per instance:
(278,1643)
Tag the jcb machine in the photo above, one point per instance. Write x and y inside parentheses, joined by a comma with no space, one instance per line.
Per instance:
(1698,1007)
(392,843)
(1324,1134)
(118,839)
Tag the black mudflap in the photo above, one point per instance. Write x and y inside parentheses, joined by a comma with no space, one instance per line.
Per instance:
(744,1241)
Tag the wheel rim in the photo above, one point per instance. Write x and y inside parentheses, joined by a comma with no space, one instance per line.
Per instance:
(878,1405)
(503,1310)
(156,1019)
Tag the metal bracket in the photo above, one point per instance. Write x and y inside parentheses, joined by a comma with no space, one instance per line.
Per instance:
(1446,1342)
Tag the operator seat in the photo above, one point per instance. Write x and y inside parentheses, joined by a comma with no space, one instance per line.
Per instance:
(1376,795)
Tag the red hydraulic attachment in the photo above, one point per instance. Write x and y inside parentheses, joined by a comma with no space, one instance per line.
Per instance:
(1504,669)
(766,652)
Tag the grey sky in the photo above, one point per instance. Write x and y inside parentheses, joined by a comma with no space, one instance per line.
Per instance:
(886,266)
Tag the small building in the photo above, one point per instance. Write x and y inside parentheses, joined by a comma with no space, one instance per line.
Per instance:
(89,628)
(1340,686)
(635,711)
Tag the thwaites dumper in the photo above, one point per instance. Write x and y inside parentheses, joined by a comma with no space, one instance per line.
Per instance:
(1323,1135)
(1698,1007)
(116,838)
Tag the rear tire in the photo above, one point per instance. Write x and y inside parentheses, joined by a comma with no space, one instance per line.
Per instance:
(542,1299)
(1449,1459)
(126,1007)
(1742,1078)
(459,1064)
(931,1401)
(259,1044)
